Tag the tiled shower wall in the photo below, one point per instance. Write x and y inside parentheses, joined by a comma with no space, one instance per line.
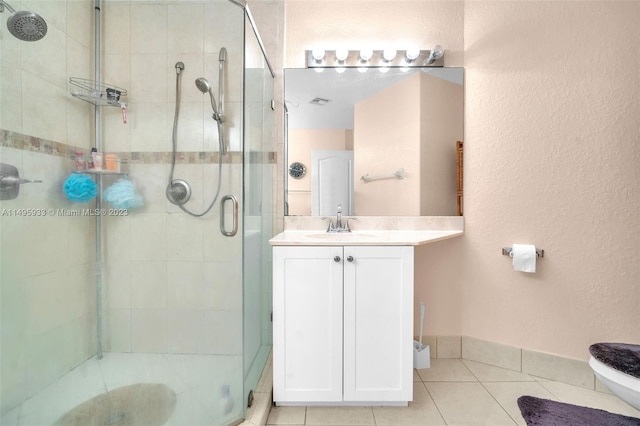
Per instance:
(47,285)
(47,281)
(173,281)
(142,43)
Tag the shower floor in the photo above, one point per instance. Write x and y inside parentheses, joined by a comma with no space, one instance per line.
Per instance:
(197,381)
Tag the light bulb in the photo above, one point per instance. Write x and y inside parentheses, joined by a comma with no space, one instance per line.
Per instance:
(411,55)
(341,54)
(384,70)
(436,53)
(318,54)
(389,54)
(366,54)
(362,69)
(340,70)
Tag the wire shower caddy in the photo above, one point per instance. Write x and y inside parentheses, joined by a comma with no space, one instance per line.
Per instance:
(102,94)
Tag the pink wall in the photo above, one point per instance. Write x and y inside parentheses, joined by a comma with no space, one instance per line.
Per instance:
(386,137)
(552,156)
(422,122)
(441,126)
(552,153)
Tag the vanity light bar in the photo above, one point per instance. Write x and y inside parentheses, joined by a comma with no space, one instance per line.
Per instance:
(318,58)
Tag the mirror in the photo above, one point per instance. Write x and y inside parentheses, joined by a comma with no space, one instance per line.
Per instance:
(377,143)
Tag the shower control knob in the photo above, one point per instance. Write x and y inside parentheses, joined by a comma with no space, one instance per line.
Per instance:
(336,259)
(349,258)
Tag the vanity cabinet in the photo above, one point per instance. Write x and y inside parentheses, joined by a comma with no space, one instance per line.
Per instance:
(343,325)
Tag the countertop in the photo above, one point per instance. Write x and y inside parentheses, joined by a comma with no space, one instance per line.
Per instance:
(364,237)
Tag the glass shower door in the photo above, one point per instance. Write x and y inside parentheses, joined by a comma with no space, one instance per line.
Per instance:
(258,209)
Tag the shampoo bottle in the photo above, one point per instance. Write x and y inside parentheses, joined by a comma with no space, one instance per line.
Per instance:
(96,158)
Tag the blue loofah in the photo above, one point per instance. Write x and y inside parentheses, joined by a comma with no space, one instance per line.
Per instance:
(123,195)
(80,188)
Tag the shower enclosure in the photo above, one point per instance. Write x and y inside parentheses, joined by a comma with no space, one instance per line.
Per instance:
(169,310)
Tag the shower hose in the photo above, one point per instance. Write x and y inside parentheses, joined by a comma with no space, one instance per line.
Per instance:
(175,148)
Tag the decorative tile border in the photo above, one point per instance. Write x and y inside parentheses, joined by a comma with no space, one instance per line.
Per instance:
(22,142)
(9,139)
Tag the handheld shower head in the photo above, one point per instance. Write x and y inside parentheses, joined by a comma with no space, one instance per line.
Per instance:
(218,109)
(24,25)
(203,85)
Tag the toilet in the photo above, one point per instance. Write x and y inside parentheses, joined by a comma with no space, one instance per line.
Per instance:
(617,366)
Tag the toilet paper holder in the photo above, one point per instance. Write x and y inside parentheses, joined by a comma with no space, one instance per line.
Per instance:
(507,251)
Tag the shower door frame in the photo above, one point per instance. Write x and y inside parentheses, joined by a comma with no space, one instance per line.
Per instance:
(252,368)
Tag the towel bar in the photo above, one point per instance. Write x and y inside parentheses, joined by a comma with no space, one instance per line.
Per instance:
(398,174)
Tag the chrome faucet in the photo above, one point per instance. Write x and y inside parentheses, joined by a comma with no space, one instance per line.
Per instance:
(339,227)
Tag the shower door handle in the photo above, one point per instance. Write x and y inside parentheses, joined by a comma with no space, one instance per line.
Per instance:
(223,228)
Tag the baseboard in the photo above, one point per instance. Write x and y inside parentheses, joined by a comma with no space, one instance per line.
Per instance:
(539,364)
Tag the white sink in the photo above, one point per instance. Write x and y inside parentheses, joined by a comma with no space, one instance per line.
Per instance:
(339,236)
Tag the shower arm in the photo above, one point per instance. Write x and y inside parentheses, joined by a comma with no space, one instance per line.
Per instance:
(4,4)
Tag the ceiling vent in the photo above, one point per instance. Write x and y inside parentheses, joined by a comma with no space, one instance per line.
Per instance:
(319,101)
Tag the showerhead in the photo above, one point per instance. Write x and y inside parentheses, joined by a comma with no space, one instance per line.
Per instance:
(203,85)
(24,25)
(223,55)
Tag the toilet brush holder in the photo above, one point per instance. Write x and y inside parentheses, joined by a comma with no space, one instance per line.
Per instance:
(421,355)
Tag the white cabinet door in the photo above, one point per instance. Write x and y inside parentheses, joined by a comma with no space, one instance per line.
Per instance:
(307,324)
(378,323)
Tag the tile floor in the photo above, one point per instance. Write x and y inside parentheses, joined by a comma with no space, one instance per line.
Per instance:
(456,392)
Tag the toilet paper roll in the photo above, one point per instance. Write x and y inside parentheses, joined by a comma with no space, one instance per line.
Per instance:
(524,257)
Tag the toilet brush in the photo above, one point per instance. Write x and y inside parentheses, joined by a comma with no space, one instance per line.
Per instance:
(421,353)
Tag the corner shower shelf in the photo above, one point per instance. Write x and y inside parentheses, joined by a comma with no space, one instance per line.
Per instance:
(100,172)
(101,94)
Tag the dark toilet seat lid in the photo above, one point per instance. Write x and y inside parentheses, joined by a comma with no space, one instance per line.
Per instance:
(619,356)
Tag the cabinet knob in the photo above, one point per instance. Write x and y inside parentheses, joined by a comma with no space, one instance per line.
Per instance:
(349,258)
(336,259)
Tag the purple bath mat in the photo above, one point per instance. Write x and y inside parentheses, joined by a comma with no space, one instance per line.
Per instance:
(544,412)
